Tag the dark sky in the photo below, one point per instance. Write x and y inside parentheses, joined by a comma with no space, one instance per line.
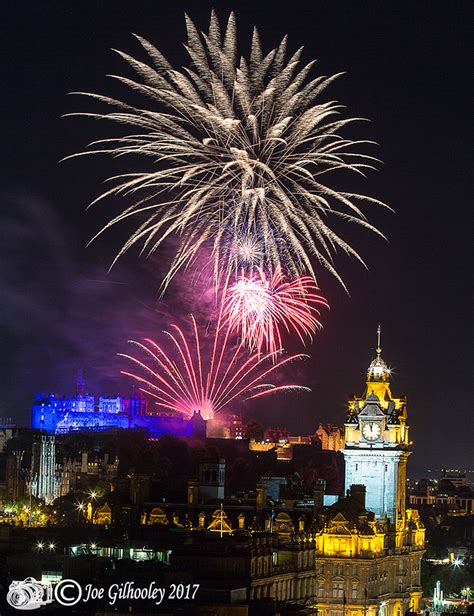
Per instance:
(408,67)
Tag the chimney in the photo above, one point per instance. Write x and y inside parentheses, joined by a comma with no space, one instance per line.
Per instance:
(193,493)
(318,494)
(358,494)
(84,462)
(261,495)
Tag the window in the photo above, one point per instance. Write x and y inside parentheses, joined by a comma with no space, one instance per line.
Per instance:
(338,590)
(354,590)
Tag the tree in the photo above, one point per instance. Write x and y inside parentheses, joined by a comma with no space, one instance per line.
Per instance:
(255,430)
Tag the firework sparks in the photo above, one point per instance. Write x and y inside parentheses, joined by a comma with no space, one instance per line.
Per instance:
(186,380)
(261,307)
(245,251)
(233,143)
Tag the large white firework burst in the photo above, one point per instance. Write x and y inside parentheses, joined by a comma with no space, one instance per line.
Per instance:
(238,144)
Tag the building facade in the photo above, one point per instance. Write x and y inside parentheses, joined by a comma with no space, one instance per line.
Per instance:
(15,476)
(331,437)
(78,473)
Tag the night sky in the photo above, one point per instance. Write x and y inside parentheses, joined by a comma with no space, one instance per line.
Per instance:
(407,69)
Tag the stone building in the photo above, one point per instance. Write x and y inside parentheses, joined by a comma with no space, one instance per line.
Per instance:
(79,473)
(331,437)
(359,568)
(15,476)
(264,566)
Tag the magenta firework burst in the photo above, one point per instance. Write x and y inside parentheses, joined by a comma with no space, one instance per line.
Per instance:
(261,308)
(187,378)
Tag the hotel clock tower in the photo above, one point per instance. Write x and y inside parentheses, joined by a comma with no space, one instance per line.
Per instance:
(368,545)
(376,444)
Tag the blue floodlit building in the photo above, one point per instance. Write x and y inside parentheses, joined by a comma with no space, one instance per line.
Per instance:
(57,414)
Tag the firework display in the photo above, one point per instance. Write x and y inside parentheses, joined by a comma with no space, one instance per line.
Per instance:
(187,379)
(234,151)
(260,308)
(230,158)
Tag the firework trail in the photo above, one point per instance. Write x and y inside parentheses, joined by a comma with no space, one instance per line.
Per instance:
(261,308)
(187,380)
(229,143)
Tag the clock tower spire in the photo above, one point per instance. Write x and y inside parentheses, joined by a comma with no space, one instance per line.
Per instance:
(378,374)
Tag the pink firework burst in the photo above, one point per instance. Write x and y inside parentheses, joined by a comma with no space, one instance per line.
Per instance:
(186,379)
(261,308)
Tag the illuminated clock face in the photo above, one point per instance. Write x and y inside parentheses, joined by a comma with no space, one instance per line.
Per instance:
(371,431)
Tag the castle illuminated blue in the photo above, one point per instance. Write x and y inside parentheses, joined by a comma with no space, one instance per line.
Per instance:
(57,414)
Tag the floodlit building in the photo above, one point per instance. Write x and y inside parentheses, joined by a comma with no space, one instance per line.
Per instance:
(331,437)
(369,546)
